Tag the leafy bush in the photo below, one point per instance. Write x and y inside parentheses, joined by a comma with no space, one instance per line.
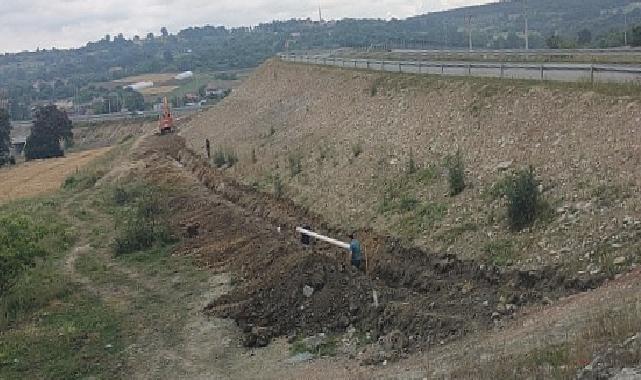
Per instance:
(456,173)
(523,199)
(219,159)
(224,157)
(81,181)
(145,224)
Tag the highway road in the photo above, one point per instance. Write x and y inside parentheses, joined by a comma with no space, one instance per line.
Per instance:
(567,72)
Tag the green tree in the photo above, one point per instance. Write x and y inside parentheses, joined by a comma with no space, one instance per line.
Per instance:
(134,101)
(50,128)
(5,136)
(635,39)
(553,42)
(584,37)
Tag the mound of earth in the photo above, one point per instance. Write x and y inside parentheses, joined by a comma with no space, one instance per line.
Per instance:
(285,289)
(340,142)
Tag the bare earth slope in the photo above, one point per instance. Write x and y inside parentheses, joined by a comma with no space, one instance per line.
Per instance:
(341,140)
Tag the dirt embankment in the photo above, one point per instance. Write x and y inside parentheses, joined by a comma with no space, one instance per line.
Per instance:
(340,142)
(99,135)
(424,298)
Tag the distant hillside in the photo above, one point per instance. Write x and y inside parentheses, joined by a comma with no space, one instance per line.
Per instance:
(45,75)
(492,22)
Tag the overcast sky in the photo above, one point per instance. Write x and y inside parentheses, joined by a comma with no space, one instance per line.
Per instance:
(28,24)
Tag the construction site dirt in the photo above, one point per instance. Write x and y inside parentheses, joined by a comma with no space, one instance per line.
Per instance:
(283,289)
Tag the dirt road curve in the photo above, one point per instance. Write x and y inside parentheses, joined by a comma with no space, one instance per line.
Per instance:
(42,176)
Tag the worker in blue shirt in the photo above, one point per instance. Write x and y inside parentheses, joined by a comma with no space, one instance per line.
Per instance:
(355,249)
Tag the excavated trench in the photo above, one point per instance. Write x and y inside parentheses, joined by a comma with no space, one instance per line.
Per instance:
(424,297)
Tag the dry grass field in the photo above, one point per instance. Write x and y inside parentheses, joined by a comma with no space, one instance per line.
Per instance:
(156,78)
(159,90)
(42,176)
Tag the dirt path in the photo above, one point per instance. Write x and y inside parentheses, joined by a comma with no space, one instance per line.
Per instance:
(162,303)
(42,176)
(174,339)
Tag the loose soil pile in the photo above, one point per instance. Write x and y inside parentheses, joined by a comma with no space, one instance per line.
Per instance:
(284,289)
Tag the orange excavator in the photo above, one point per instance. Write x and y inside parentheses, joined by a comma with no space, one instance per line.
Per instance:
(166,120)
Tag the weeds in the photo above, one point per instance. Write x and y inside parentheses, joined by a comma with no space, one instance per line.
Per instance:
(82,180)
(373,90)
(523,199)
(499,252)
(450,236)
(324,349)
(426,175)
(278,187)
(145,223)
(30,236)
(411,164)
(357,149)
(456,173)
(295,164)
(607,195)
(219,159)
(422,217)
(225,157)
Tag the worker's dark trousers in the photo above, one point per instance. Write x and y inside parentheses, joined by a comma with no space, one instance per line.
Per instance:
(356,263)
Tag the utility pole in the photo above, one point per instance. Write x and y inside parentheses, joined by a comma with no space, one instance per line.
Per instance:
(527,29)
(625,29)
(444,35)
(468,20)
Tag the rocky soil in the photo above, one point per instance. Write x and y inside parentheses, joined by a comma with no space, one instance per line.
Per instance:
(423,299)
(349,136)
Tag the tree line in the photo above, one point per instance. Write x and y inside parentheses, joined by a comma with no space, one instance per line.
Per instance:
(49,75)
(50,133)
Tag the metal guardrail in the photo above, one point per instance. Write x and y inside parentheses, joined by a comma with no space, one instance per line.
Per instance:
(567,72)
(622,51)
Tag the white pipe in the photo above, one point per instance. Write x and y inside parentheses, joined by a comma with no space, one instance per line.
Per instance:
(323,238)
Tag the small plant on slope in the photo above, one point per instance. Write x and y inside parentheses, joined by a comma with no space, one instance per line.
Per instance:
(456,173)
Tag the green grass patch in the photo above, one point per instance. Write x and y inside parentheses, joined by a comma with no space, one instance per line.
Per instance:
(32,235)
(607,194)
(327,348)
(143,212)
(295,164)
(423,217)
(452,234)
(499,252)
(76,337)
(82,180)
